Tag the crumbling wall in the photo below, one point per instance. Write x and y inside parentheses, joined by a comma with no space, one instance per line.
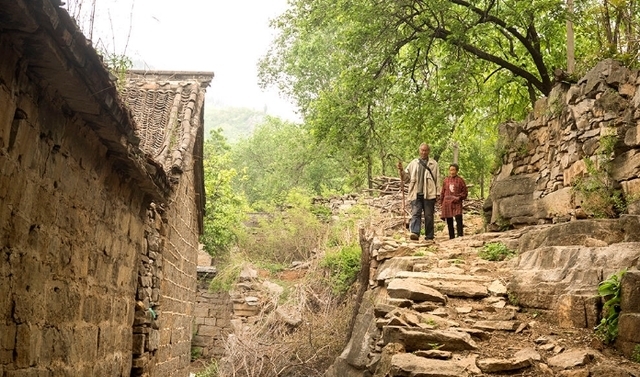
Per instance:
(212,321)
(545,154)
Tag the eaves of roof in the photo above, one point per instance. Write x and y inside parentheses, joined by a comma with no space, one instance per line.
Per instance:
(62,61)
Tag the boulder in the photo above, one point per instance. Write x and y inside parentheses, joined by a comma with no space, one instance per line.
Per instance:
(413,289)
(571,358)
(416,338)
(406,364)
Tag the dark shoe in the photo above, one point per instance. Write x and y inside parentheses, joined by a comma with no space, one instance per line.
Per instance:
(414,236)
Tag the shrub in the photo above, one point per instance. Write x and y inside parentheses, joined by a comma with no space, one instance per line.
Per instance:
(600,196)
(284,236)
(227,275)
(635,356)
(495,251)
(610,290)
(343,266)
(210,371)
(196,352)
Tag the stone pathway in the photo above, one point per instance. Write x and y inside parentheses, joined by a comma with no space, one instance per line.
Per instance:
(441,311)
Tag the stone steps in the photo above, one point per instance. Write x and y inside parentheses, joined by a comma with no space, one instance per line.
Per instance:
(441,316)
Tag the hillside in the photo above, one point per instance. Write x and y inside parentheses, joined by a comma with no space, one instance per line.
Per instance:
(431,308)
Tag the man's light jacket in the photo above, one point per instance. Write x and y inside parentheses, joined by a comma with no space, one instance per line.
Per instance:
(431,186)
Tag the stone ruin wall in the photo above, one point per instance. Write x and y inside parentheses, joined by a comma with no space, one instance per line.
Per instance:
(71,231)
(544,154)
(212,322)
(629,320)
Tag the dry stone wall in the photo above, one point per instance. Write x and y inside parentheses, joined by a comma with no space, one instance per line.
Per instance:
(212,321)
(544,155)
(628,340)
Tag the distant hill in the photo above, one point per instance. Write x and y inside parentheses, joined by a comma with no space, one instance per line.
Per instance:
(236,122)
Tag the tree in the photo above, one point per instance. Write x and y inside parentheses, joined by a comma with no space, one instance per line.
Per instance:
(236,122)
(281,156)
(375,78)
(225,209)
(608,29)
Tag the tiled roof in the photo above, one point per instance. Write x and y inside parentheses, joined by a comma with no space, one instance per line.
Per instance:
(168,109)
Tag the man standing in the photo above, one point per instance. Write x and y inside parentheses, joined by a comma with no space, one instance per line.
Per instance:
(423,177)
(454,191)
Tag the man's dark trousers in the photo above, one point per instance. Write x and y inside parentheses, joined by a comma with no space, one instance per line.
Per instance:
(418,206)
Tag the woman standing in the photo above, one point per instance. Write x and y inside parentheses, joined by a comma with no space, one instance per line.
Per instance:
(454,191)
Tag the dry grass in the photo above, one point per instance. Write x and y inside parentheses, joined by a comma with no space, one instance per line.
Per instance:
(272,347)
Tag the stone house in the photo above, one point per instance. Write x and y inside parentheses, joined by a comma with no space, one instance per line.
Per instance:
(101,198)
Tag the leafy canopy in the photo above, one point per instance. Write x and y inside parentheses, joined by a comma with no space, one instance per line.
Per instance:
(375,78)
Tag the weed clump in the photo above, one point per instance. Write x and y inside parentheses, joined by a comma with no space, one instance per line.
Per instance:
(496,251)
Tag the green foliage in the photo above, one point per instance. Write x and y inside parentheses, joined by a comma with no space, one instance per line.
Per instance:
(343,266)
(196,353)
(291,233)
(431,322)
(212,370)
(606,29)
(436,346)
(513,299)
(372,77)
(610,291)
(635,356)
(596,188)
(119,65)
(224,209)
(228,272)
(279,157)
(495,251)
(608,144)
(270,266)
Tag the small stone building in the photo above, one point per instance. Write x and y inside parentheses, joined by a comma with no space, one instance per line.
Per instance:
(101,198)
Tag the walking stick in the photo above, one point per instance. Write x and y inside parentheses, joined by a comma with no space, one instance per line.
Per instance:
(404,211)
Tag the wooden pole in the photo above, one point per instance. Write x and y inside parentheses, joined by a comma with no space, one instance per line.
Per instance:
(404,211)
(571,63)
(455,152)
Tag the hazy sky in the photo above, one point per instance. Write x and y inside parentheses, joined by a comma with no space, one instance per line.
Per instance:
(226,37)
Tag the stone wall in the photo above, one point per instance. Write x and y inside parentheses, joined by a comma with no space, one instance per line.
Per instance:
(629,321)
(212,321)
(545,154)
(98,240)
(71,231)
(178,284)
